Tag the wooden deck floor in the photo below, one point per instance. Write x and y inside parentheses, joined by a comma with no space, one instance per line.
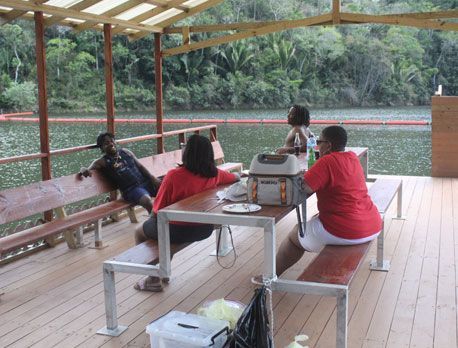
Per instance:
(54,298)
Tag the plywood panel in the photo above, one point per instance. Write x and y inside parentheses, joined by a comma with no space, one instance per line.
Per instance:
(444,137)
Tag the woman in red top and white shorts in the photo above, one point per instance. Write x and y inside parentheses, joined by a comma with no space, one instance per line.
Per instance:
(346,215)
(198,173)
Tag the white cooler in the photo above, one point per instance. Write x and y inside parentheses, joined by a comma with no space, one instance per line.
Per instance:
(184,330)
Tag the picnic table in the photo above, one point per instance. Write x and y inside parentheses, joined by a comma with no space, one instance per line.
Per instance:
(206,208)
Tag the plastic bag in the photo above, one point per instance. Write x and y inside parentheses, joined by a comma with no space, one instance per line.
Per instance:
(223,310)
(298,338)
(252,329)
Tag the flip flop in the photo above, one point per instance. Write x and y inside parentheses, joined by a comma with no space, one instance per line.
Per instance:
(153,284)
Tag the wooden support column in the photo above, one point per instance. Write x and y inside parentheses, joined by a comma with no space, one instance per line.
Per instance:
(109,92)
(336,11)
(444,137)
(158,79)
(40,51)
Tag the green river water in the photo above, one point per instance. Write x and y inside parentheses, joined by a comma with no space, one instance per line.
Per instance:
(400,150)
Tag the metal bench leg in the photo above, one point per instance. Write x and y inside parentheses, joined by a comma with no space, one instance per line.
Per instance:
(399,215)
(342,319)
(380,264)
(132,216)
(112,328)
(225,246)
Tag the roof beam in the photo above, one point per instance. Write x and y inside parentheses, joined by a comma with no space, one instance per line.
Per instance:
(399,20)
(13,14)
(268,29)
(63,12)
(154,12)
(178,17)
(82,5)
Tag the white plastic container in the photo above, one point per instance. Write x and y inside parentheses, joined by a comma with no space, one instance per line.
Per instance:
(183,330)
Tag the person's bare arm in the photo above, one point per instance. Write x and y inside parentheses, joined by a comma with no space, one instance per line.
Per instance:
(289,141)
(96,165)
(143,170)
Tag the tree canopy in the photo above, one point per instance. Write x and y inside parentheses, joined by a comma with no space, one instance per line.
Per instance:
(352,65)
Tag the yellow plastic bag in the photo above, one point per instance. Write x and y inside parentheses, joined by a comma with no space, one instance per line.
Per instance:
(298,338)
(222,309)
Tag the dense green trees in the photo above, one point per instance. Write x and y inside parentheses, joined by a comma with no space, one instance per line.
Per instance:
(327,66)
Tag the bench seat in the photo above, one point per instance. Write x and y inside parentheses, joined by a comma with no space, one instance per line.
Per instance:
(13,241)
(335,264)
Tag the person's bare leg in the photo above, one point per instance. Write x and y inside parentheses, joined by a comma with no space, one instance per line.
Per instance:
(290,251)
(140,235)
(145,202)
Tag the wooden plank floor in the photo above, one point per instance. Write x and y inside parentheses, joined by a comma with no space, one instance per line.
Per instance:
(54,298)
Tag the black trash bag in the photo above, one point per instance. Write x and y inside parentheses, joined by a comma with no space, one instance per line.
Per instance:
(252,329)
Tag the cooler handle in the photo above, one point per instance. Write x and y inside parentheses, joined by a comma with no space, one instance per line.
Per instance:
(219,333)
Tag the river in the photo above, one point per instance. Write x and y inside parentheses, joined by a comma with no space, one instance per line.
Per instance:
(400,150)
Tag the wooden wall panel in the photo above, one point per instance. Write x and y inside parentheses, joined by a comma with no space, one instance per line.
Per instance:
(444,137)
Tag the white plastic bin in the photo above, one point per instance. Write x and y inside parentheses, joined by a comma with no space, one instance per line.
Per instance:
(183,330)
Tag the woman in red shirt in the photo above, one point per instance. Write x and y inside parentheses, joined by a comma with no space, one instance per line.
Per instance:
(346,215)
(198,173)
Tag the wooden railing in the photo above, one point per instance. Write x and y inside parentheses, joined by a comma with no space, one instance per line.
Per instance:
(181,133)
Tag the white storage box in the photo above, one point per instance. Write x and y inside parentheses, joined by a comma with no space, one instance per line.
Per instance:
(183,330)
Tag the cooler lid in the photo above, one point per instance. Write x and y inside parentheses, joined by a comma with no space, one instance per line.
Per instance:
(186,328)
(270,164)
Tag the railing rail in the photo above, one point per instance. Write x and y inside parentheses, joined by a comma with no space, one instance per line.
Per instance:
(59,152)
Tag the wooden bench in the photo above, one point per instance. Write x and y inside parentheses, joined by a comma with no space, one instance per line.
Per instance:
(331,272)
(22,202)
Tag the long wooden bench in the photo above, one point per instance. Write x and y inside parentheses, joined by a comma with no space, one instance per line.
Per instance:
(332,271)
(22,202)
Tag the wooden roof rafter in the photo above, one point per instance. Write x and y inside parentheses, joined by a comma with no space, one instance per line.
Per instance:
(199,8)
(63,12)
(152,13)
(429,20)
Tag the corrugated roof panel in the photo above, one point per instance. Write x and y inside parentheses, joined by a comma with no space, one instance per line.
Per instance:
(136,11)
(194,3)
(62,3)
(163,16)
(104,6)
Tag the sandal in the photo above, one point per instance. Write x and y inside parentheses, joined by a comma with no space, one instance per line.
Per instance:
(153,284)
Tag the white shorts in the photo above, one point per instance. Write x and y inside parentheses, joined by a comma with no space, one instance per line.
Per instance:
(316,237)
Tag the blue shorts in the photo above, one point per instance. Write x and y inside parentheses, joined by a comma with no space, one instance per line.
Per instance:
(134,194)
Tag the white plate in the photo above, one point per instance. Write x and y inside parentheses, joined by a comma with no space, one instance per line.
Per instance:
(241,208)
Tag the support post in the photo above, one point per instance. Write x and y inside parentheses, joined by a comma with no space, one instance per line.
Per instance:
(158,81)
(40,51)
(108,67)
(336,11)
(270,271)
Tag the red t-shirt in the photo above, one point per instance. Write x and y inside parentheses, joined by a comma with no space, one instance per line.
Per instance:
(180,183)
(345,208)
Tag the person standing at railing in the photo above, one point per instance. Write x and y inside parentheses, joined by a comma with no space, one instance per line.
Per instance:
(197,173)
(121,167)
(299,120)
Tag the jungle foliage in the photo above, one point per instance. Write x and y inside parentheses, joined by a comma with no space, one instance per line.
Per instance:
(321,66)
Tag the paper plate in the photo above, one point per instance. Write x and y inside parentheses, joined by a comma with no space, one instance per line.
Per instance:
(241,208)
